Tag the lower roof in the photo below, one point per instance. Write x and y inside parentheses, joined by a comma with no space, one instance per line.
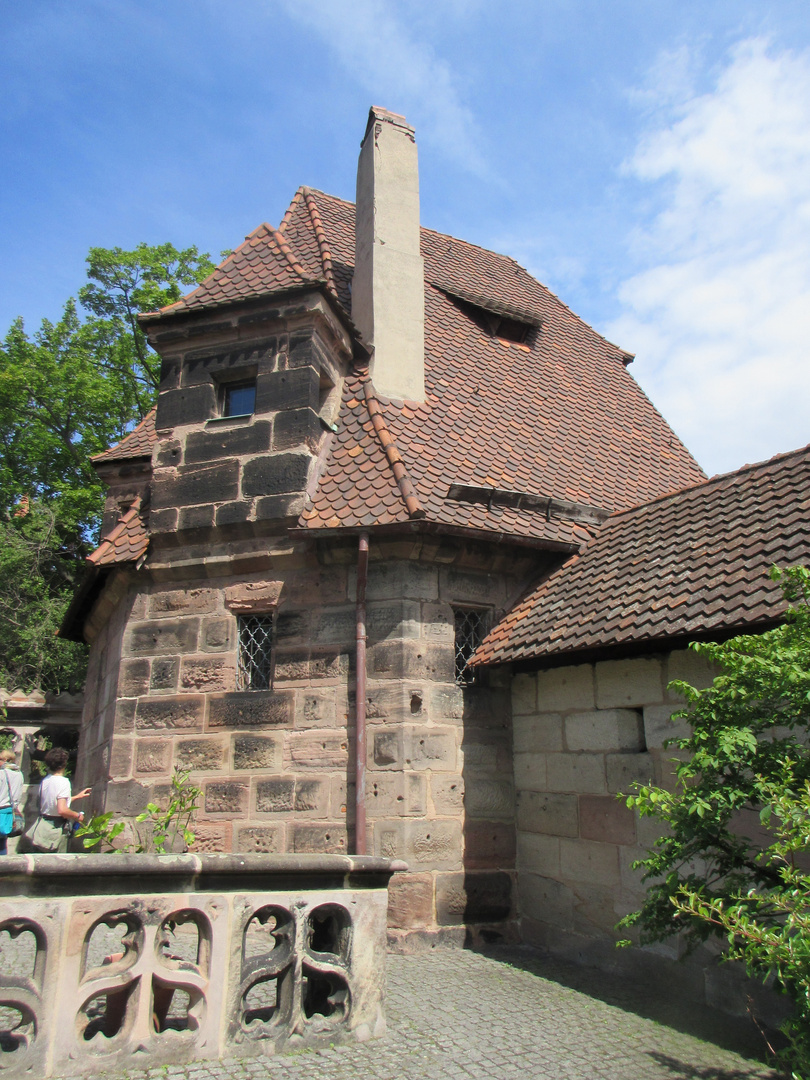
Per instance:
(691,564)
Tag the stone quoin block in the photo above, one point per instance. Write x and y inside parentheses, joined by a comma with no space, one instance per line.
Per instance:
(124,716)
(410,901)
(196,517)
(473,898)
(605,730)
(626,683)
(153,755)
(392,794)
(255,595)
(227,441)
(315,710)
(276,474)
(387,701)
(169,453)
(445,703)
(434,845)
(328,839)
(447,793)
(121,757)
(317,750)
(209,839)
(279,391)
(257,708)
(301,665)
(232,513)
(217,635)
(200,754)
(183,713)
(162,636)
(396,580)
(279,507)
(257,752)
(165,672)
(197,485)
(490,799)
(186,405)
(489,845)
(291,795)
(554,815)
(296,427)
(607,819)
(565,688)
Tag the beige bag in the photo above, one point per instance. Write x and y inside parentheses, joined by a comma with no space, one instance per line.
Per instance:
(44,836)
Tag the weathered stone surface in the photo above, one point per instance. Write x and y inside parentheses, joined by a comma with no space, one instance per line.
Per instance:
(254,595)
(232,513)
(257,708)
(331,838)
(561,689)
(124,716)
(624,683)
(196,517)
(161,637)
(607,819)
(318,750)
(301,665)
(524,694)
(197,485)
(447,793)
(315,710)
(605,730)
(394,580)
(291,795)
(208,673)
(226,797)
(429,845)
(276,474)
(121,757)
(438,623)
(659,727)
(531,772)
(490,799)
(217,635)
(410,901)
(538,854)
(153,755)
(261,839)
(626,769)
(445,703)
(546,900)
(461,587)
(257,752)
(296,427)
(472,898)
(489,845)
(211,839)
(133,678)
(165,670)
(279,391)
(392,794)
(187,405)
(221,442)
(688,666)
(576,772)
(538,734)
(589,862)
(174,602)
(200,754)
(279,507)
(556,815)
(128,797)
(173,713)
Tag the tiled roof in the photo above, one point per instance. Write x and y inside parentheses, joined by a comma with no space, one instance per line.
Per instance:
(264,263)
(126,542)
(137,444)
(559,416)
(689,564)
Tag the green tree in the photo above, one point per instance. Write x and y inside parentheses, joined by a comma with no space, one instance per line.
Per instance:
(67,392)
(746,762)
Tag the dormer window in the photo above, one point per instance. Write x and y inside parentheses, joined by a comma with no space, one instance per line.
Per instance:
(239,398)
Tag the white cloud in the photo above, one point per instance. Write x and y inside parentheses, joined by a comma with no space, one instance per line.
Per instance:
(375,42)
(720,318)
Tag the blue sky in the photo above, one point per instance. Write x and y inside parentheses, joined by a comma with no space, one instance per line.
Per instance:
(649,161)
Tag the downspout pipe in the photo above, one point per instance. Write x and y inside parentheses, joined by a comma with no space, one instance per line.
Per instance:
(360,699)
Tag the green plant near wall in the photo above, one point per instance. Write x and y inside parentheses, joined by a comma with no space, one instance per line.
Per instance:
(165,827)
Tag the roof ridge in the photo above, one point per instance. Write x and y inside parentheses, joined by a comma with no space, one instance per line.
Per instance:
(287,251)
(716,479)
(393,456)
(148,416)
(288,213)
(108,541)
(320,236)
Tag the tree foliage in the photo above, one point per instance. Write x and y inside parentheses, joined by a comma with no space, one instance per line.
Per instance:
(738,820)
(67,392)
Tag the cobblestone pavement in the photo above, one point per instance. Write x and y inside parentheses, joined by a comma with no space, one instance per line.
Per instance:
(457,1015)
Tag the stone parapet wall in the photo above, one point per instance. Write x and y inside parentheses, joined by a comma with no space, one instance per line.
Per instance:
(114,959)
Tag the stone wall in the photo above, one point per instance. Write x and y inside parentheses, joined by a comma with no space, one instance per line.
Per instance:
(583,734)
(277,766)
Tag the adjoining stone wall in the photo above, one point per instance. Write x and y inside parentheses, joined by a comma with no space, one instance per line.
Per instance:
(277,766)
(583,734)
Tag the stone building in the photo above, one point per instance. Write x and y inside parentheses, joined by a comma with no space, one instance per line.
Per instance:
(371,441)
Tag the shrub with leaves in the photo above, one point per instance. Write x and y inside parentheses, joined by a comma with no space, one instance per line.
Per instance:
(166,827)
(746,763)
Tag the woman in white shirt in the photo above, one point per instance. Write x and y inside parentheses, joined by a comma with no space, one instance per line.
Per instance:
(11,785)
(50,833)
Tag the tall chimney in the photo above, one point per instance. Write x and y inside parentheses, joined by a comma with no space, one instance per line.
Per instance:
(388,291)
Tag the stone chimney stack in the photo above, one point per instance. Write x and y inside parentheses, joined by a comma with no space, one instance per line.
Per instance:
(388,291)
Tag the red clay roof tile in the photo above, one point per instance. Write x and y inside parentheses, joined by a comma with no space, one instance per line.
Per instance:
(126,542)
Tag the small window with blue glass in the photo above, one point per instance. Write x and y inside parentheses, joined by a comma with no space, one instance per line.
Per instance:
(239,399)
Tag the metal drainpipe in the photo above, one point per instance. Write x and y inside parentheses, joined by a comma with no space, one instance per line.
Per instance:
(360,699)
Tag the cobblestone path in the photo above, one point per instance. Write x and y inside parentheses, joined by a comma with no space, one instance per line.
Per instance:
(455,1015)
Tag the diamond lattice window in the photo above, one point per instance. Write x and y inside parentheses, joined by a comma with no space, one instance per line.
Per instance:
(256,633)
(471,627)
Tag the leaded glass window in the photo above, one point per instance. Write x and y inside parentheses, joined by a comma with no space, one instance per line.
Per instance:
(471,626)
(256,633)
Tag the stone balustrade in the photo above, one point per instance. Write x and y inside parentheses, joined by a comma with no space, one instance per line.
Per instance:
(131,961)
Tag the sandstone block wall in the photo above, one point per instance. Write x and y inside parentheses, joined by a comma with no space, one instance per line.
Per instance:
(277,766)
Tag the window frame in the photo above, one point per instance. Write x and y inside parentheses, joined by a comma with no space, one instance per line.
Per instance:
(464,675)
(245,639)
